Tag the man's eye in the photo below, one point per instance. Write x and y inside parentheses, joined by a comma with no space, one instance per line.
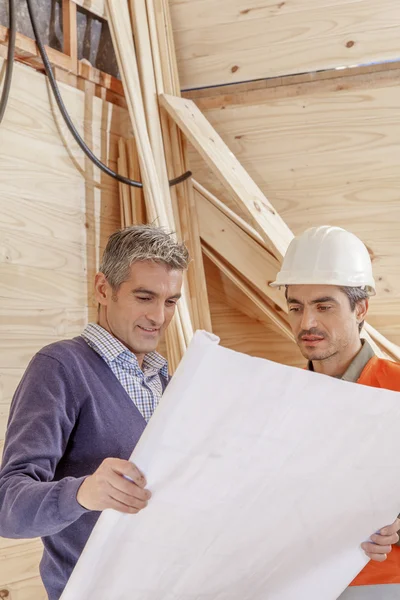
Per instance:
(171,302)
(294,309)
(143,298)
(324,308)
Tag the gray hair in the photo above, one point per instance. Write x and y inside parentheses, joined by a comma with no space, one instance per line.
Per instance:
(137,244)
(355,295)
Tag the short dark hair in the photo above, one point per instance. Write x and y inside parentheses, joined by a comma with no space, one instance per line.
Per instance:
(355,295)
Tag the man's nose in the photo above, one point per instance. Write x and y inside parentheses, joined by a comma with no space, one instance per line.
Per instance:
(308,320)
(156,314)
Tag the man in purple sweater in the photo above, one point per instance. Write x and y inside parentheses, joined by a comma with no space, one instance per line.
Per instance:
(83,404)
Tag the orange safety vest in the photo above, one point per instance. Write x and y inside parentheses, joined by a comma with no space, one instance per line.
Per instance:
(384,374)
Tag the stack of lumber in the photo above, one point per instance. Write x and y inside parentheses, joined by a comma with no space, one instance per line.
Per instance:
(135,28)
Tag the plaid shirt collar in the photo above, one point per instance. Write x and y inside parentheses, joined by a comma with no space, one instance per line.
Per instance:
(111,349)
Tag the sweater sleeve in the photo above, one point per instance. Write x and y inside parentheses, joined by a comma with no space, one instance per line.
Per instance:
(43,414)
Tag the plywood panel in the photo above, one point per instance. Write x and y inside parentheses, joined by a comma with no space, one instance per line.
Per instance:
(28,589)
(19,562)
(56,212)
(325,155)
(225,42)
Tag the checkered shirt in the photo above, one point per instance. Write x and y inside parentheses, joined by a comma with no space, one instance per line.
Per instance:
(143,386)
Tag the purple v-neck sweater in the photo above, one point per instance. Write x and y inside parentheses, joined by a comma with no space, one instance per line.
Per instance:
(68,414)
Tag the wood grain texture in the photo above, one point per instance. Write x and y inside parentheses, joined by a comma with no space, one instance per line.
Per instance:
(70,32)
(55,216)
(325,154)
(240,327)
(230,172)
(27,589)
(97,7)
(231,41)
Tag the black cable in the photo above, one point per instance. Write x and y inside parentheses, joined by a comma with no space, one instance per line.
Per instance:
(10,59)
(67,118)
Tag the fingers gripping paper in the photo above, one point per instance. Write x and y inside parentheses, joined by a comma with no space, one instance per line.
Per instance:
(265,481)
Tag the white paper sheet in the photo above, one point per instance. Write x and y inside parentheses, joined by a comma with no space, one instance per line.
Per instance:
(265,480)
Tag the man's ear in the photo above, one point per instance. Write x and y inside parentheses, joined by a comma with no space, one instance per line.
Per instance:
(361,310)
(102,289)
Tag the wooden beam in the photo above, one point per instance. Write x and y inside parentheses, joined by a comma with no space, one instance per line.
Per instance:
(121,31)
(136,193)
(271,315)
(67,69)
(97,7)
(227,168)
(149,71)
(239,250)
(70,32)
(124,193)
(167,80)
(98,77)
(145,63)
(388,347)
(289,85)
(230,213)
(27,52)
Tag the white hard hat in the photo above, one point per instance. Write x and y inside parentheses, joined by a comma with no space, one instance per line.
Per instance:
(327,256)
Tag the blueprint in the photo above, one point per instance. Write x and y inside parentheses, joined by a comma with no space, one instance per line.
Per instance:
(265,480)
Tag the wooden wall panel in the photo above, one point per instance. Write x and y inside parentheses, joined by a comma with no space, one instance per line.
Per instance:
(56,212)
(232,40)
(325,154)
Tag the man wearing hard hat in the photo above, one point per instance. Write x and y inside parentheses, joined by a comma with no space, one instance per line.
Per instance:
(327,274)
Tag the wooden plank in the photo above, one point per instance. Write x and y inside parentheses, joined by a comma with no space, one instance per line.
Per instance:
(39,285)
(392,350)
(49,209)
(239,325)
(20,562)
(28,589)
(136,194)
(305,26)
(97,7)
(237,248)
(124,194)
(234,42)
(149,92)
(207,13)
(119,20)
(70,33)
(272,88)
(26,250)
(227,168)
(262,307)
(66,68)
(167,80)
(26,51)
(151,80)
(230,214)
(104,80)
